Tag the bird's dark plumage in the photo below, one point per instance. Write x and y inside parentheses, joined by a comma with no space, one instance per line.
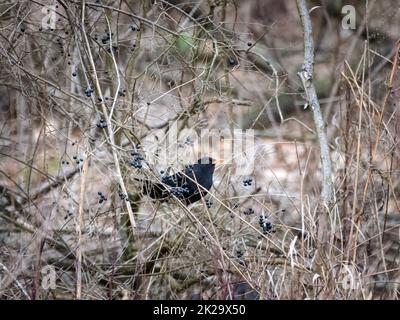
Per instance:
(187,185)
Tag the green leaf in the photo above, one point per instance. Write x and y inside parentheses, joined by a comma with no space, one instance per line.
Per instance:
(184,42)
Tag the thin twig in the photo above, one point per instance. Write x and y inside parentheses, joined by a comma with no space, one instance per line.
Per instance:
(109,125)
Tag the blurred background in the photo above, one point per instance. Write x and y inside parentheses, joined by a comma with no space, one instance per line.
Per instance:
(89,93)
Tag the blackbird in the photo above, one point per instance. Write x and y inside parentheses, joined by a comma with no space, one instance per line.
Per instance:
(189,185)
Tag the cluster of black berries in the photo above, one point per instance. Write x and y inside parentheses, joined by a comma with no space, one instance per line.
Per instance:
(189,141)
(134,28)
(115,49)
(102,124)
(69,214)
(137,160)
(123,196)
(121,93)
(202,237)
(239,253)
(169,180)
(88,92)
(60,44)
(78,161)
(209,204)
(248,211)
(106,38)
(102,197)
(180,192)
(265,225)
(65,162)
(247,182)
(48,28)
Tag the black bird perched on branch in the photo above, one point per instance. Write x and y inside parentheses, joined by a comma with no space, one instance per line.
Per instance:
(189,185)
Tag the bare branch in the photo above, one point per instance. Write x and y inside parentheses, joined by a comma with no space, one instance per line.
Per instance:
(306,76)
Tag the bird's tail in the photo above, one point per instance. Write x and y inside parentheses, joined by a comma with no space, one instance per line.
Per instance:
(152,189)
